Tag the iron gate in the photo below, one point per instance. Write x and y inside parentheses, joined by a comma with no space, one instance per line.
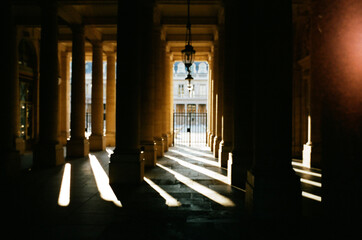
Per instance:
(189,128)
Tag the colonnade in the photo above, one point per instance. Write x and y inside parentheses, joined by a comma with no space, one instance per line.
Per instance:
(250,101)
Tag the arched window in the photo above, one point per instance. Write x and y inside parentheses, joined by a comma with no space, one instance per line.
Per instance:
(202,68)
(181,67)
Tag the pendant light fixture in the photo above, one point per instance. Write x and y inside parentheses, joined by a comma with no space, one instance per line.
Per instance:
(188,54)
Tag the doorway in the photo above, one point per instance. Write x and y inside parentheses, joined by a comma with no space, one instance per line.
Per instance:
(190,104)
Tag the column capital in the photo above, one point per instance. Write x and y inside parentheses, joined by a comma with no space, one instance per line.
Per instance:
(78,28)
(97,44)
(111,53)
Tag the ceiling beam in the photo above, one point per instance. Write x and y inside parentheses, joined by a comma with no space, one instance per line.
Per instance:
(100,21)
(195,37)
(92,34)
(69,14)
(194,20)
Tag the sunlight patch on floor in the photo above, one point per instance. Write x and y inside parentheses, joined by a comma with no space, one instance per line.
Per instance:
(307,172)
(109,151)
(311,196)
(102,181)
(170,201)
(195,151)
(310,182)
(199,169)
(207,192)
(64,193)
(212,163)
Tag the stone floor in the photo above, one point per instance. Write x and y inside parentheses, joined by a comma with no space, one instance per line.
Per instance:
(201,204)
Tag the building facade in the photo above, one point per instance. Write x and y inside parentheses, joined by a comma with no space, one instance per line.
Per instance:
(195,100)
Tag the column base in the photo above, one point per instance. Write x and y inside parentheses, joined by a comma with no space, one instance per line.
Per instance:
(237,171)
(20,145)
(217,141)
(211,141)
(172,138)
(77,148)
(110,139)
(97,142)
(207,138)
(48,155)
(150,153)
(274,197)
(307,155)
(224,150)
(159,146)
(126,168)
(165,138)
(169,139)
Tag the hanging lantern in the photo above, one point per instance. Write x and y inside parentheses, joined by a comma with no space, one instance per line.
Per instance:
(189,85)
(188,54)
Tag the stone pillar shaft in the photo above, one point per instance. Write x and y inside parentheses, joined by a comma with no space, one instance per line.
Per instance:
(159,85)
(336,57)
(168,95)
(212,112)
(272,188)
(240,159)
(127,162)
(171,142)
(218,101)
(78,145)
(111,100)
(97,139)
(226,89)
(48,151)
(166,92)
(148,90)
(64,89)
(209,106)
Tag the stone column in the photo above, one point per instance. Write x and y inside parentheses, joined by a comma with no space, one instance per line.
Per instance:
(225,146)
(165,91)
(172,62)
(209,105)
(148,90)
(10,162)
(211,113)
(273,194)
(159,76)
(48,152)
(240,159)
(64,89)
(127,162)
(97,139)
(336,57)
(307,147)
(218,101)
(78,145)
(111,100)
(214,100)
(168,96)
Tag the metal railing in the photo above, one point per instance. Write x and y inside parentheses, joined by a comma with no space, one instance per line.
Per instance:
(189,128)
